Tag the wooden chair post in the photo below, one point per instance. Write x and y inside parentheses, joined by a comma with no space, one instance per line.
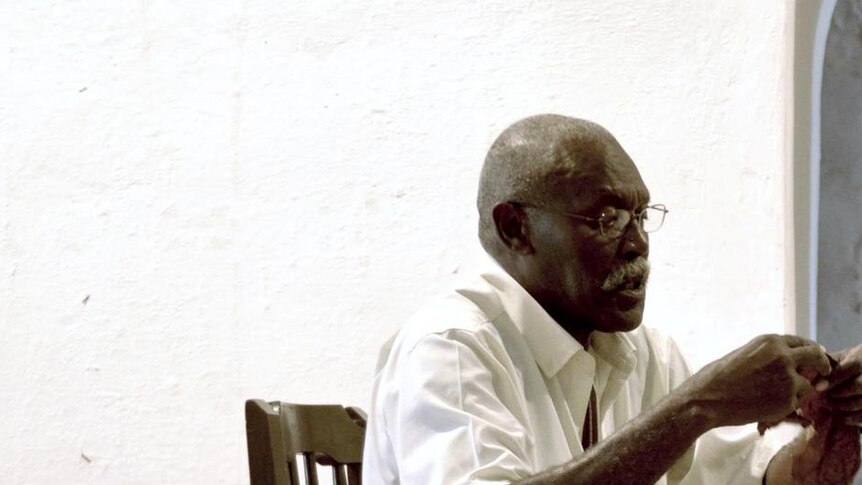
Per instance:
(328,435)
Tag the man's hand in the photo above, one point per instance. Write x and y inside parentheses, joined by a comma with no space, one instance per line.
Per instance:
(761,381)
(845,386)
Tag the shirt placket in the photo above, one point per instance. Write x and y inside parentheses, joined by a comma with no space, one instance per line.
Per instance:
(577,378)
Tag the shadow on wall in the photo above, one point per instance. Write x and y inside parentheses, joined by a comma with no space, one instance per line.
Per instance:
(839,299)
(839,261)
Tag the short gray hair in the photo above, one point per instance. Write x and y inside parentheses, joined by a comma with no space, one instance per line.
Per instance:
(525,160)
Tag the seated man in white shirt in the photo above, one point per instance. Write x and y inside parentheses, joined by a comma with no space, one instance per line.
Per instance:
(538,371)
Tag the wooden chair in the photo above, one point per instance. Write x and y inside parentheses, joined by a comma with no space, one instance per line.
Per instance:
(281,435)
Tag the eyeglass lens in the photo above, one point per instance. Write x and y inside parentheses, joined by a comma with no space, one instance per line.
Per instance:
(650,220)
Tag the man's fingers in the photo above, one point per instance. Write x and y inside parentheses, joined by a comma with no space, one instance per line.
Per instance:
(797,341)
(803,387)
(844,371)
(821,384)
(796,418)
(811,357)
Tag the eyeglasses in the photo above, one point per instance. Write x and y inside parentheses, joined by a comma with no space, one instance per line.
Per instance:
(613,223)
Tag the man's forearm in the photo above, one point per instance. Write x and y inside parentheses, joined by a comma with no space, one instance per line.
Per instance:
(640,452)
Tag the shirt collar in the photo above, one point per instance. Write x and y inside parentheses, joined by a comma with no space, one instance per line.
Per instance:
(616,349)
(549,343)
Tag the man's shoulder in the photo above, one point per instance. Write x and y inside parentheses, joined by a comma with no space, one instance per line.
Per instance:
(467,308)
(466,312)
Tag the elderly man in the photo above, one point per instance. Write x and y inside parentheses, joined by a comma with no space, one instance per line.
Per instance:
(538,371)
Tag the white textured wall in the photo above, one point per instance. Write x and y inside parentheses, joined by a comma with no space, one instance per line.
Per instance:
(203,202)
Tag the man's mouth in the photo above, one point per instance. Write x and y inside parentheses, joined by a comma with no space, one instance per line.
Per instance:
(632,284)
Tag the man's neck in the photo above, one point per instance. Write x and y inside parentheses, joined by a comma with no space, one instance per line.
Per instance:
(579,333)
(577,330)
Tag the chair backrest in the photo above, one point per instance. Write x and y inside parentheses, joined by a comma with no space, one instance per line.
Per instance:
(288,440)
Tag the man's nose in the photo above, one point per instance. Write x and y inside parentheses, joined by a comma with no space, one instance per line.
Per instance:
(635,241)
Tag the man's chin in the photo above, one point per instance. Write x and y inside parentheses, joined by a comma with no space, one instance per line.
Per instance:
(624,312)
(622,324)
(627,300)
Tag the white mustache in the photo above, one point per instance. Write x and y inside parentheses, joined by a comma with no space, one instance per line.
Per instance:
(634,270)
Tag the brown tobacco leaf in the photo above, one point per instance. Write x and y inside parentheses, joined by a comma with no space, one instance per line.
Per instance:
(832,457)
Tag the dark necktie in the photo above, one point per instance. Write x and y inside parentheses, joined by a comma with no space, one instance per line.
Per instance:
(590,433)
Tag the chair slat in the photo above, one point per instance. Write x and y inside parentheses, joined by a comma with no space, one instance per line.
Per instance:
(339,473)
(310,469)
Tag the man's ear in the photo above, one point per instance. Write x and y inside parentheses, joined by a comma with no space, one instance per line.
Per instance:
(513,227)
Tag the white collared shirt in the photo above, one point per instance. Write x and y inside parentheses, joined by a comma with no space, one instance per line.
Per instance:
(483,386)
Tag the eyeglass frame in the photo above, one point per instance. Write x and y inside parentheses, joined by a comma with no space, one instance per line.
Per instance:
(598,220)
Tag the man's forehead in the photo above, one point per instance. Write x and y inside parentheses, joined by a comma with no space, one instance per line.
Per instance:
(626,195)
(600,188)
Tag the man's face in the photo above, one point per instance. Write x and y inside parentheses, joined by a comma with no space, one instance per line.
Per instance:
(586,280)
